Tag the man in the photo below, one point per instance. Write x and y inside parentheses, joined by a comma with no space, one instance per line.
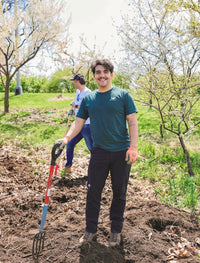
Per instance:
(81,91)
(114,149)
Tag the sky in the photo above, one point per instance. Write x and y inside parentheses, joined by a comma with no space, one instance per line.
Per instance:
(93,20)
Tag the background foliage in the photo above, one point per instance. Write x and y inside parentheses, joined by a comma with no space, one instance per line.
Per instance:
(59,82)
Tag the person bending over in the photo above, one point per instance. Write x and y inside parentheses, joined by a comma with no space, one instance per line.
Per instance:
(81,91)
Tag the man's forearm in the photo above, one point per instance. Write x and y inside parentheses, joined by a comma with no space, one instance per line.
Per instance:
(133,129)
(76,127)
(133,132)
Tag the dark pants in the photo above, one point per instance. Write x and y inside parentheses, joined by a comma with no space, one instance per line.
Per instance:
(101,163)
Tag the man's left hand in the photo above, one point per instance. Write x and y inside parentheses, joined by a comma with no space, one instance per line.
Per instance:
(131,154)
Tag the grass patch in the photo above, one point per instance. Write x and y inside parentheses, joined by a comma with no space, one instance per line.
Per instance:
(166,169)
(37,100)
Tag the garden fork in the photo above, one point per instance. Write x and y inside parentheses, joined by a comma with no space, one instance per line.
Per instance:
(38,242)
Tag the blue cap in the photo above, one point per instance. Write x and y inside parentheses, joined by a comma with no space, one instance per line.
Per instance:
(78,77)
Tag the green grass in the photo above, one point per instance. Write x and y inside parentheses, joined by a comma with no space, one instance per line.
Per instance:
(37,132)
(164,168)
(36,100)
(148,120)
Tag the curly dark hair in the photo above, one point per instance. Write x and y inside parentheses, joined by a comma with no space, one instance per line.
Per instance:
(102,62)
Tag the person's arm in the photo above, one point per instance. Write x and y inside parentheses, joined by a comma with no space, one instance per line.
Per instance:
(75,128)
(131,154)
(133,128)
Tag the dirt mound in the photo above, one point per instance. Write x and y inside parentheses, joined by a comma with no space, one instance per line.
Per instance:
(153,232)
(59,98)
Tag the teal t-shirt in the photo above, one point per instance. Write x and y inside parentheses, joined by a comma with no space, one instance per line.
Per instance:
(107,112)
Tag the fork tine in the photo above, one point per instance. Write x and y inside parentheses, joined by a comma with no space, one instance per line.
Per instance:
(38,244)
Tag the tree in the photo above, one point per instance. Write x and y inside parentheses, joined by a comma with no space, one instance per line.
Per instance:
(121,80)
(60,82)
(38,26)
(79,62)
(161,40)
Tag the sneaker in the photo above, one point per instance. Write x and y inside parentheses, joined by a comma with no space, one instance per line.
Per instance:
(87,237)
(115,239)
(67,171)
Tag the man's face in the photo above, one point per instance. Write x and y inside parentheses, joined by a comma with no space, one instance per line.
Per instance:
(102,76)
(76,84)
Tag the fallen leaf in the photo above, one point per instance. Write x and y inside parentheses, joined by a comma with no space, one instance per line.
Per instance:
(66,208)
(197,240)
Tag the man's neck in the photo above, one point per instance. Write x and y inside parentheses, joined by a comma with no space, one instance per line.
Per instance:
(104,89)
(81,87)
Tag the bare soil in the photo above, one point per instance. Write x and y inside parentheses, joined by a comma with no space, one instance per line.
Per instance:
(153,231)
(59,98)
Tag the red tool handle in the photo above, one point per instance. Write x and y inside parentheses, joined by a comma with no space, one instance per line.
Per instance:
(47,195)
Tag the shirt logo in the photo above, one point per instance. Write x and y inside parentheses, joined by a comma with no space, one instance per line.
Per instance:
(113,98)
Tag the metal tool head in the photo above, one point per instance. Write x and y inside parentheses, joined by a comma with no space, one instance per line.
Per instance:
(38,244)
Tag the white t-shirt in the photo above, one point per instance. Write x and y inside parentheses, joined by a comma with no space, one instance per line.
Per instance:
(78,98)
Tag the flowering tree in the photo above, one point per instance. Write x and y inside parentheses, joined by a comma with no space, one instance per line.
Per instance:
(25,28)
(81,60)
(161,38)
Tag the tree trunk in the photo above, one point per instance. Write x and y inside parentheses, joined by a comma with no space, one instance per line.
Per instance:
(6,99)
(150,101)
(187,155)
(161,131)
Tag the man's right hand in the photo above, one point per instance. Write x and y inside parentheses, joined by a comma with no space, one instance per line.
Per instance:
(64,140)
(70,112)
